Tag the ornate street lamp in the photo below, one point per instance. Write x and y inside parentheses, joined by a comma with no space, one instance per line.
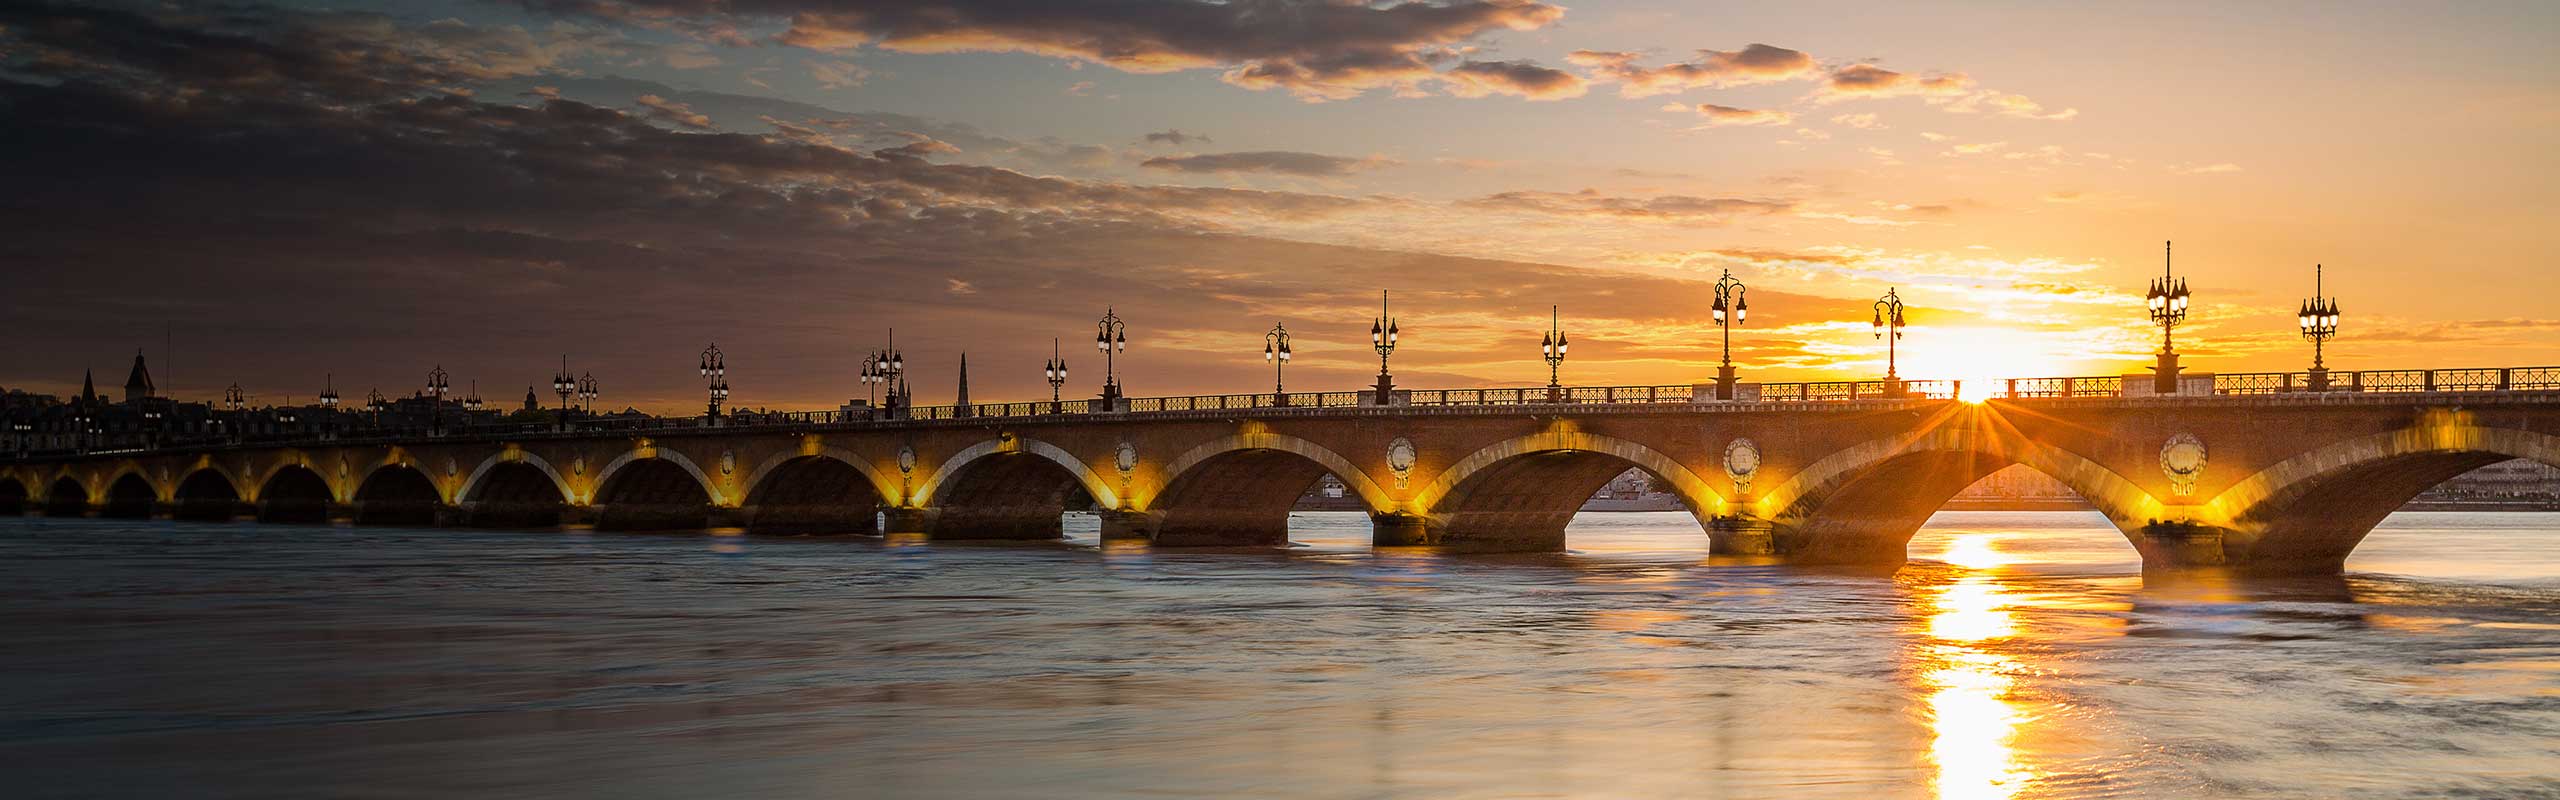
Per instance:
(562,384)
(1888,324)
(1382,338)
(329,392)
(471,402)
(884,367)
(588,392)
(373,407)
(1275,350)
(715,368)
(1056,373)
(1731,309)
(2319,319)
(1552,348)
(438,385)
(2167,302)
(1111,336)
(233,399)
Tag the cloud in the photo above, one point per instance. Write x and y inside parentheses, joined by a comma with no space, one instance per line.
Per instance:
(838,74)
(669,111)
(2209,169)
(1863,81)
(1315,49)
(2009,105)
(1862,121)
(1726,116)
(1277,162)
(1756,63)
(1080,88)
(1591,203)
(1522,78)
(1176,137)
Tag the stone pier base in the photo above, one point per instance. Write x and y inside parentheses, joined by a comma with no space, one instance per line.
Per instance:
(1399,530)
(1126,525)
(2176,545)
(1740,536)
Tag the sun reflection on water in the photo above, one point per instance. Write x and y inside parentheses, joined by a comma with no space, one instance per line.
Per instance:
(1969,683)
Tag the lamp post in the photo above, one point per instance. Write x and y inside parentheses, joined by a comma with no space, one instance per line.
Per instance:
(438,385)
(715,368)
(373,406)
(1888,324)
(1111,336)
(884,367)
(562,384)
(2319,319)
(1731,309)
(471,402)
(233,399)
(1382,338)
(1552,348)
(1275,350)
(588,392)
(2167,302)
(1056,373)
(329,403)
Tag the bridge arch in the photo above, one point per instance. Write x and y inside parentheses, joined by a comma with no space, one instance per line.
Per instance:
(514,489)
(2308,512)
(294,493)
(653,489)
(815,490)
(66,497)
(1008,488)
(1863,503)
(1518,494)
(207,494)
(1238,489)
(397,494)
(130,496)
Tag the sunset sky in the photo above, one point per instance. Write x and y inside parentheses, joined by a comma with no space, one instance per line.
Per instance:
(293,190)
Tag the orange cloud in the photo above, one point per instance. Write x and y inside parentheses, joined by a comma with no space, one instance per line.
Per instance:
(1756,63)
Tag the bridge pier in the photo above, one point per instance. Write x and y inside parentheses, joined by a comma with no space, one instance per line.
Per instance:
(493,514)
(1733,535)
(212,510)
(815,518)
(639,517)
(1128,525)
(1399,530)
(2173,545)
(897,520)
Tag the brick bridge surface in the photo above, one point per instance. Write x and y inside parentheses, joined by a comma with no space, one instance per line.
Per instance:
(2275,483)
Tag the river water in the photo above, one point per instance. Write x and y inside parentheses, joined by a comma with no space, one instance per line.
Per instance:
(2018,655)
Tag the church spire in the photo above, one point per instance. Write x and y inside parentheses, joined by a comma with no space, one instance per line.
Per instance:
(137,384)
(88,386)
(963,401)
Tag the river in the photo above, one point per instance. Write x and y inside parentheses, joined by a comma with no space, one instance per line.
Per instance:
(2019,655)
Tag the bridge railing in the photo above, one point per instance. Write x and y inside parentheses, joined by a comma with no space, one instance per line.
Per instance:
(2381,381)
(2486,379)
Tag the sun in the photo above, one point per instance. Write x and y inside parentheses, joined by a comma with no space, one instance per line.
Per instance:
(1984,358)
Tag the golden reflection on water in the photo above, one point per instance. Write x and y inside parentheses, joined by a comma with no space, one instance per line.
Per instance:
(1969,684)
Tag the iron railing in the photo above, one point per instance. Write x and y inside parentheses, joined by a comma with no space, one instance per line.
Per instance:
(2481,379)
(2495,379)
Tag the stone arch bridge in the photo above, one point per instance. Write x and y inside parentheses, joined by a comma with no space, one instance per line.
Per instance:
(2265,483)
